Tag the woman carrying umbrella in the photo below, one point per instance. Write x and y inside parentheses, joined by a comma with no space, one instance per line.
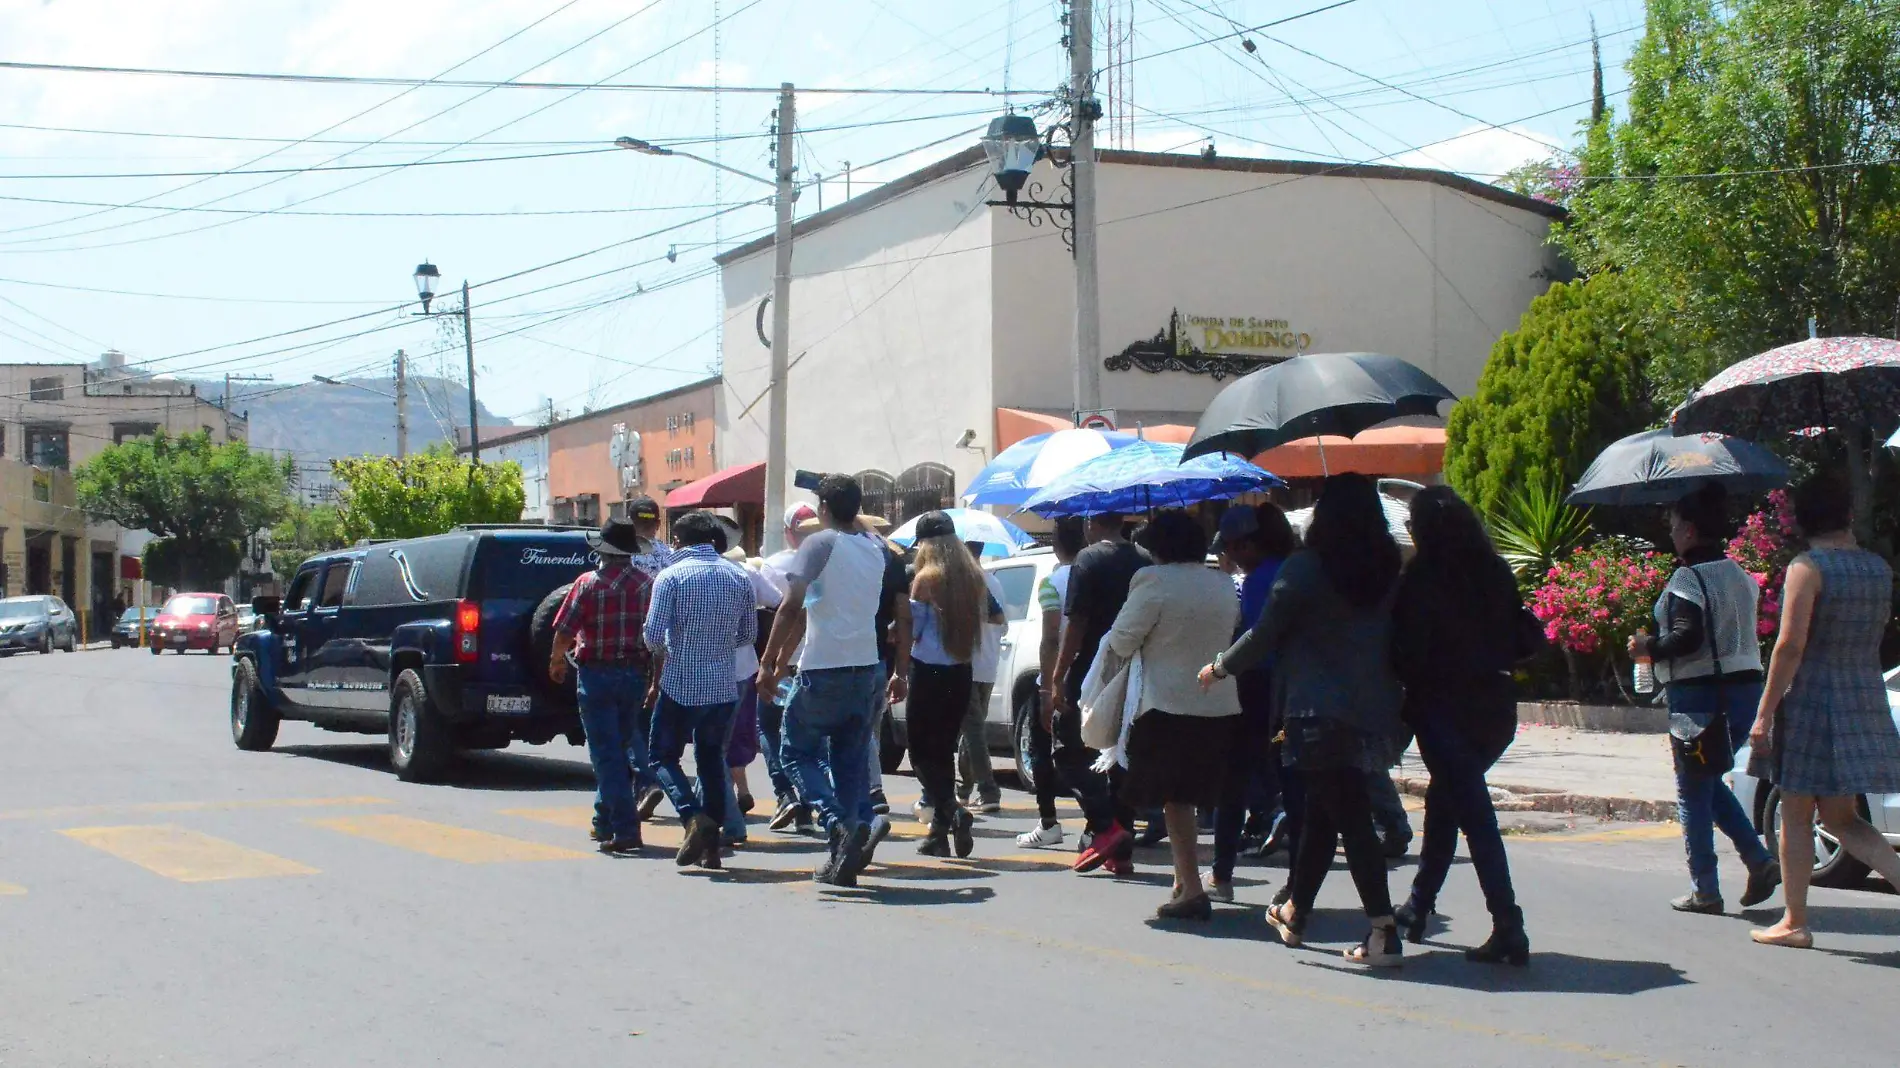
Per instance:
(1706,652)
(1824,726)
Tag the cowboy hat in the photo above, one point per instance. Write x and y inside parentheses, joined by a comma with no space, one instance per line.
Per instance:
(616,538)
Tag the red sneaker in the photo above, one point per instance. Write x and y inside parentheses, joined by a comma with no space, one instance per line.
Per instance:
(1112,844)
(1119,867)
(1088,860)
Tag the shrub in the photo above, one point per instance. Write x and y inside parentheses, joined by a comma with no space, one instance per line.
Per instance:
(1593,601)
(1765,545)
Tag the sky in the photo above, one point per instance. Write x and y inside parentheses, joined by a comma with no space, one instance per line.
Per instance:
(122,227)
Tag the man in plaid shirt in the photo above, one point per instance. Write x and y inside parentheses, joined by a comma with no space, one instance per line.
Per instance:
(602,621)
(703,609)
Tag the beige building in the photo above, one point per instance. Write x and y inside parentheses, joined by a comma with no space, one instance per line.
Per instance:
(918,312)
(53,418)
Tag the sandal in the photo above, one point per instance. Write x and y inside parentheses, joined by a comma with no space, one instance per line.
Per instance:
(1381,949)
(1281,918)
(1794,938)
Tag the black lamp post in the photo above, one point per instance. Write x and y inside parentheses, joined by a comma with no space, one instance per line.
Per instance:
(428,282)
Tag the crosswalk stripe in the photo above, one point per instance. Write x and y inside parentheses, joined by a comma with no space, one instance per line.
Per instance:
(443,841)
(155,807)
(11,890)
(187,856)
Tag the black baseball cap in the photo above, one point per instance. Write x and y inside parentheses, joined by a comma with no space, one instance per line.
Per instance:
(643,508)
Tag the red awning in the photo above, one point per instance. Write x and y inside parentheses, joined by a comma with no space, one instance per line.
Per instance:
(129,569)
(744,484)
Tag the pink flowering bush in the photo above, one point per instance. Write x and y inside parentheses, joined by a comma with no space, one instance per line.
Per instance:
(1594,600)
(1765,545)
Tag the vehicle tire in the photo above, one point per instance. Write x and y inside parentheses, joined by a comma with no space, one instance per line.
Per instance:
(46,644)
(1023,732)
(117,644)
(155,649)
(419,744)
(890,753)
(253,720)
(72,642)
(1833,866)
(541,648)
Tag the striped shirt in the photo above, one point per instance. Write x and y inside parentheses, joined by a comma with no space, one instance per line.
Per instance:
(702,610)
(605,612)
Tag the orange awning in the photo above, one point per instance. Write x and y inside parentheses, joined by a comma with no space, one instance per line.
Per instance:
(1014,424)
(1395,451)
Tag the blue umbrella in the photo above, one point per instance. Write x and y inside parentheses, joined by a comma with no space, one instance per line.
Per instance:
(1034,462)
(999,536)
(1148,475)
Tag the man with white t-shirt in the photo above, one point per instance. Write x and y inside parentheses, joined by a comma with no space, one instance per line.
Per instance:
(834,586)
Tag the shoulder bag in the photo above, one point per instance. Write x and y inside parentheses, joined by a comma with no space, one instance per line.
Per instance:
(1704,749)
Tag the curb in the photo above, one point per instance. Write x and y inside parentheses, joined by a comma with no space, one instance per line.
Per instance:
(1532,799)
(1620,719)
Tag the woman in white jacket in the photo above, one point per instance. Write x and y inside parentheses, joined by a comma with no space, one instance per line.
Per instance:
(1179,615)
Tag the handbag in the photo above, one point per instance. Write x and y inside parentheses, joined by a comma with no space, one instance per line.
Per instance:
(1704,749)
(1104,696)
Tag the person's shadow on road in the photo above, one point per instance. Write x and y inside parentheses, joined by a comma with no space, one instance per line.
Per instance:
(879,894)
(473,770)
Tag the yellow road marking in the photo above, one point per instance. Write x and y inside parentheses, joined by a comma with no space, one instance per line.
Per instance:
(1644,832)
(443,841)
(187,806)
(10,890)
(187,856)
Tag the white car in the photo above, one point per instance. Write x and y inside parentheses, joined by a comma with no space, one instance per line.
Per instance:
(1832,865)
(1013,696)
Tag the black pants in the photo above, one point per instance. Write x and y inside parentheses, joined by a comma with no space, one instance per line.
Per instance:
(933,720)
(1338,806)
(1042,764)
(1253,782)
(1458,800)
(1098,793)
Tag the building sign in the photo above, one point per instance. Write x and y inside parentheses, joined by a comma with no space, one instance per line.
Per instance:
(1217,346)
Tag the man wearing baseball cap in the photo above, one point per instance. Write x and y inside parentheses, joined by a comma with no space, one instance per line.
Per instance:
(644,513)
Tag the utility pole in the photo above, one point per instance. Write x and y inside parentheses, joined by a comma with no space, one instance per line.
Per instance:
(847,179)
(468,346)
(402,406)
(1084,110)
(230,378)
(781,324)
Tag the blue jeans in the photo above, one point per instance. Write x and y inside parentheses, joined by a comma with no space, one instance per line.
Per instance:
(610,697)
(771,733)
(1704,802)
(707,726)
(827,732)
(734,827)
(1458,800)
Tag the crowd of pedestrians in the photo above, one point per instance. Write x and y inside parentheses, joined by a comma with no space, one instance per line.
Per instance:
(1267,704)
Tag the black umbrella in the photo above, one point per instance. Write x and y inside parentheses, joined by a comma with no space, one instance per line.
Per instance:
(1338,393)
(1656,467)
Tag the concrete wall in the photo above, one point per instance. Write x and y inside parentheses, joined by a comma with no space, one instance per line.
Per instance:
(580,449)
(531,452)
(90,417)
(890,336)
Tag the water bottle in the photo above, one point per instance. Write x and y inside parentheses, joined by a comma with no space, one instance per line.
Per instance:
(1645,678)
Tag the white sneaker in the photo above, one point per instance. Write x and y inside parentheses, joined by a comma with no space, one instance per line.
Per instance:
(921,812)
(1040,837)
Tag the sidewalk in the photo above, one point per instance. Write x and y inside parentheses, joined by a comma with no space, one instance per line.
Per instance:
(1561,769)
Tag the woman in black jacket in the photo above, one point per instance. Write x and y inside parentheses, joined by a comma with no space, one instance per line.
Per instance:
(1458,627)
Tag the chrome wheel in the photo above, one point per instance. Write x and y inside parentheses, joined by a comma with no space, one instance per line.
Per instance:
(240,708)
(406,728)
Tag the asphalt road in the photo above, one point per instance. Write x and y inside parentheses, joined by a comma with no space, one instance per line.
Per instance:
(168,900)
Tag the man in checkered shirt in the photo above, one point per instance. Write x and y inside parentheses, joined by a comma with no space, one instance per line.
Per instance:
(703,608)
(601,622)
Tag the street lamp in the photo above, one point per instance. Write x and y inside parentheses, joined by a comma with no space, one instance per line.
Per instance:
(428,279)
(1013,145)
(428,282)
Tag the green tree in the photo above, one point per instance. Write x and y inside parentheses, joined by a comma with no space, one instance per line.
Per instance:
(304,532)
(1751,183)
(1568,381)
(428,493)
(201,499)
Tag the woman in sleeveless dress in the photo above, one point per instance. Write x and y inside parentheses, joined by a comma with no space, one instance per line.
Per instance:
(1824,720)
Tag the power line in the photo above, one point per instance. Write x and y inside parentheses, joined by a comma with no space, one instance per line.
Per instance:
(469,83)
(398,165)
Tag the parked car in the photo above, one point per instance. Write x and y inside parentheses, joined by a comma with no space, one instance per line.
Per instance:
(1832,864)
(36,623)
(207,621)
(126,631)
(439,643)
(247,619)
(1013,698)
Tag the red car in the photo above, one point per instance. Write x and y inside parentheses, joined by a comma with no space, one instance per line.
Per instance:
(207,621)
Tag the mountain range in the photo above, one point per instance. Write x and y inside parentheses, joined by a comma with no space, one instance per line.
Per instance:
(320,422)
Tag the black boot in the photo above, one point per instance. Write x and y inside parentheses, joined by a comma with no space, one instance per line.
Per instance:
(1411,918)
(1508,943)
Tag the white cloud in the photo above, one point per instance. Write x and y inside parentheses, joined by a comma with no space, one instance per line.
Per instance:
(1482,151)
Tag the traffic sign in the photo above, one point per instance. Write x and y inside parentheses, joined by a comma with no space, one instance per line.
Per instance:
(1101,419)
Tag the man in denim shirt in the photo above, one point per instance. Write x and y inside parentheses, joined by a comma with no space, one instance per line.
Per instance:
(702,609)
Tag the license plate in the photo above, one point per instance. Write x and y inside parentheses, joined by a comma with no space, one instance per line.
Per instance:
(502,703)
(178,639)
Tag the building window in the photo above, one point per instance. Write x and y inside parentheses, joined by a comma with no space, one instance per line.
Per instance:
(587,509)
(880,494)
(124,432)
(689,422)
(46,446)
(689,456)
(924,488)
(3,452)
(46,389)
(672,425)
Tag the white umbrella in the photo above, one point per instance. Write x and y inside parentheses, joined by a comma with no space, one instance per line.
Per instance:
(1397,515)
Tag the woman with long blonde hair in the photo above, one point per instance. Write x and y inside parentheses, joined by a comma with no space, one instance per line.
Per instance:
(949,603)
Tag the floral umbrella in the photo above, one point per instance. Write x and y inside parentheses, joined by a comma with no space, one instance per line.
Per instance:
(1837,382)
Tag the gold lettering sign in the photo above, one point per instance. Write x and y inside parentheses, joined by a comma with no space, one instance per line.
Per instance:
(1241,335)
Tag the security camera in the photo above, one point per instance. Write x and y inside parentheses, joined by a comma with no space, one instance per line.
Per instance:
(968,438)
